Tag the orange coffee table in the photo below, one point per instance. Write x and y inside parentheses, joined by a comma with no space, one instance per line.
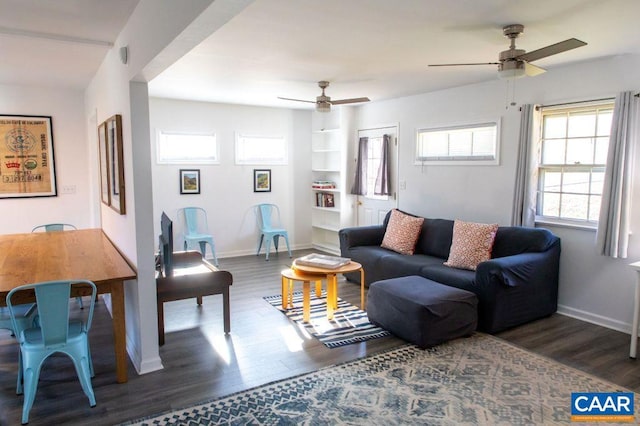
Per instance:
(331,276)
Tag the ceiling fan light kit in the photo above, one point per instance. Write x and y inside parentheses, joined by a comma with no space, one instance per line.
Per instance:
(324,102)
(515,63)
(511,69)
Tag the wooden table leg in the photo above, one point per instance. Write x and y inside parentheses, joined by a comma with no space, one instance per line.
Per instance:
(319,288)
(226,310)
(160,323)
(306,301)
(119,331)
(362,301)
(285,293)
(331,295)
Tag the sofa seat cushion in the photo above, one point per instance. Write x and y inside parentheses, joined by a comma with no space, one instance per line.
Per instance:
(422,311)
(400,266)
(460,278)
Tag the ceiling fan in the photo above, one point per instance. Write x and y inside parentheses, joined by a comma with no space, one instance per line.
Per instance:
(324,102)
(515,63)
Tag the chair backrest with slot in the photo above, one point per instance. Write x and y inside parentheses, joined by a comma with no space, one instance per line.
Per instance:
(267,217)
(191,220)
(52,298)
(54,227)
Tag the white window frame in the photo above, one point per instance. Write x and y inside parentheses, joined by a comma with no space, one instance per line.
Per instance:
(243,153)
(212,159)
(457,160)
(565,168)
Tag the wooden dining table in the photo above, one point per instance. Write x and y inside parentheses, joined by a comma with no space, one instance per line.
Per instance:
(67,255)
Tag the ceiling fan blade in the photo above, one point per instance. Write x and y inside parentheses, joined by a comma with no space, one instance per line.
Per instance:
(552,49)
(297,100)
(456,65)
(532,70)
(349,101)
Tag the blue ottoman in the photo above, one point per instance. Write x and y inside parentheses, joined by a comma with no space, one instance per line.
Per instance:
(422,311)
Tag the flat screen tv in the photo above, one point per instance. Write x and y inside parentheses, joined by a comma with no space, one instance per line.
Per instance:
(166,245)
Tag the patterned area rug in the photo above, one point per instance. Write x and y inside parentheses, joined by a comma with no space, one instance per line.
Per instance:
(476,380)
(349,325)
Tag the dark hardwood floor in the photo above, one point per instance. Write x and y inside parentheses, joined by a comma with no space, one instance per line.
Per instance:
(201,363)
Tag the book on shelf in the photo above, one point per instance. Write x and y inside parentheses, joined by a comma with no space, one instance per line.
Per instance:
(325,199)
(323,184)
(322,261)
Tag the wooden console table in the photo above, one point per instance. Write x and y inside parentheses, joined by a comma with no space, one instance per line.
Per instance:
(82,254)
(193,277)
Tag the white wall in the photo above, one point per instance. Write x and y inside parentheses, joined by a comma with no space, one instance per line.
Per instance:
(592,287)
(226,191)
(156,33)
(66,109)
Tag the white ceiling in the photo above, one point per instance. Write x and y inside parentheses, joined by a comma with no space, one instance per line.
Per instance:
(58,43)
(374,48)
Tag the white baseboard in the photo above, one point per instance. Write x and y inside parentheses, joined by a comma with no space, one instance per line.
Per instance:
(595,319)
(237,253)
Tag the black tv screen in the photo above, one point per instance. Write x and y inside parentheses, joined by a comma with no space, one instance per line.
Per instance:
(166,244)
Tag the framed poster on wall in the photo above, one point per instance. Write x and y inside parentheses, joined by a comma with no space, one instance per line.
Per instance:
(27,163)
(262,180)
(103,153)
(116,163)
(189,181)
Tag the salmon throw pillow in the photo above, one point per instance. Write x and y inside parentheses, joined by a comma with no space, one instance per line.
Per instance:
(472,243)
(402,232)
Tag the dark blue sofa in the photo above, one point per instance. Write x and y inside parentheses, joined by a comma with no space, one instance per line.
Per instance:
(519,284)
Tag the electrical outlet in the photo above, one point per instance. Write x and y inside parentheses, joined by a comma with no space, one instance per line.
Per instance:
(403,184)
(68,189)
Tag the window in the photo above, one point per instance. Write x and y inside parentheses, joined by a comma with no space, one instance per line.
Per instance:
(374,158)
(260,150)
(182,148)
(573,155)
(476,143)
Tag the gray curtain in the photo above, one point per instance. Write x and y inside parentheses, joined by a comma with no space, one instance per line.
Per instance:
(524,197)
(384,174)
(360,182)
(612,238)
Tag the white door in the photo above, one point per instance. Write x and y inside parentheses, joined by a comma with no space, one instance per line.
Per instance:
(372,208)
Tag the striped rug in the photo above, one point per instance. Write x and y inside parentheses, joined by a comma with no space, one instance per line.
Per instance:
(349,324)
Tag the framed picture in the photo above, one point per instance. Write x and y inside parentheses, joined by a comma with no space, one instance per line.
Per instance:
(189,181)
(27,163)
(261,180)
(116,163)
(105,192)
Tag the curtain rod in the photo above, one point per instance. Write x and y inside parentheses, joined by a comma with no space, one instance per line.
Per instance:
(377,128)
(577,102)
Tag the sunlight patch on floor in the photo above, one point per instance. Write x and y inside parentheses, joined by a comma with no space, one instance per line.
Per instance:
(292,338)
(220,344)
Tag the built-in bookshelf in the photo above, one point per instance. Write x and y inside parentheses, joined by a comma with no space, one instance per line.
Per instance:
(331,209)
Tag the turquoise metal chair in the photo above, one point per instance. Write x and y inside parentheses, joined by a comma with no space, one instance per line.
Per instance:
(25,314)
(54,333)
(195,220)
(25,317)
(53,227)
(57,227)
(268,222)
